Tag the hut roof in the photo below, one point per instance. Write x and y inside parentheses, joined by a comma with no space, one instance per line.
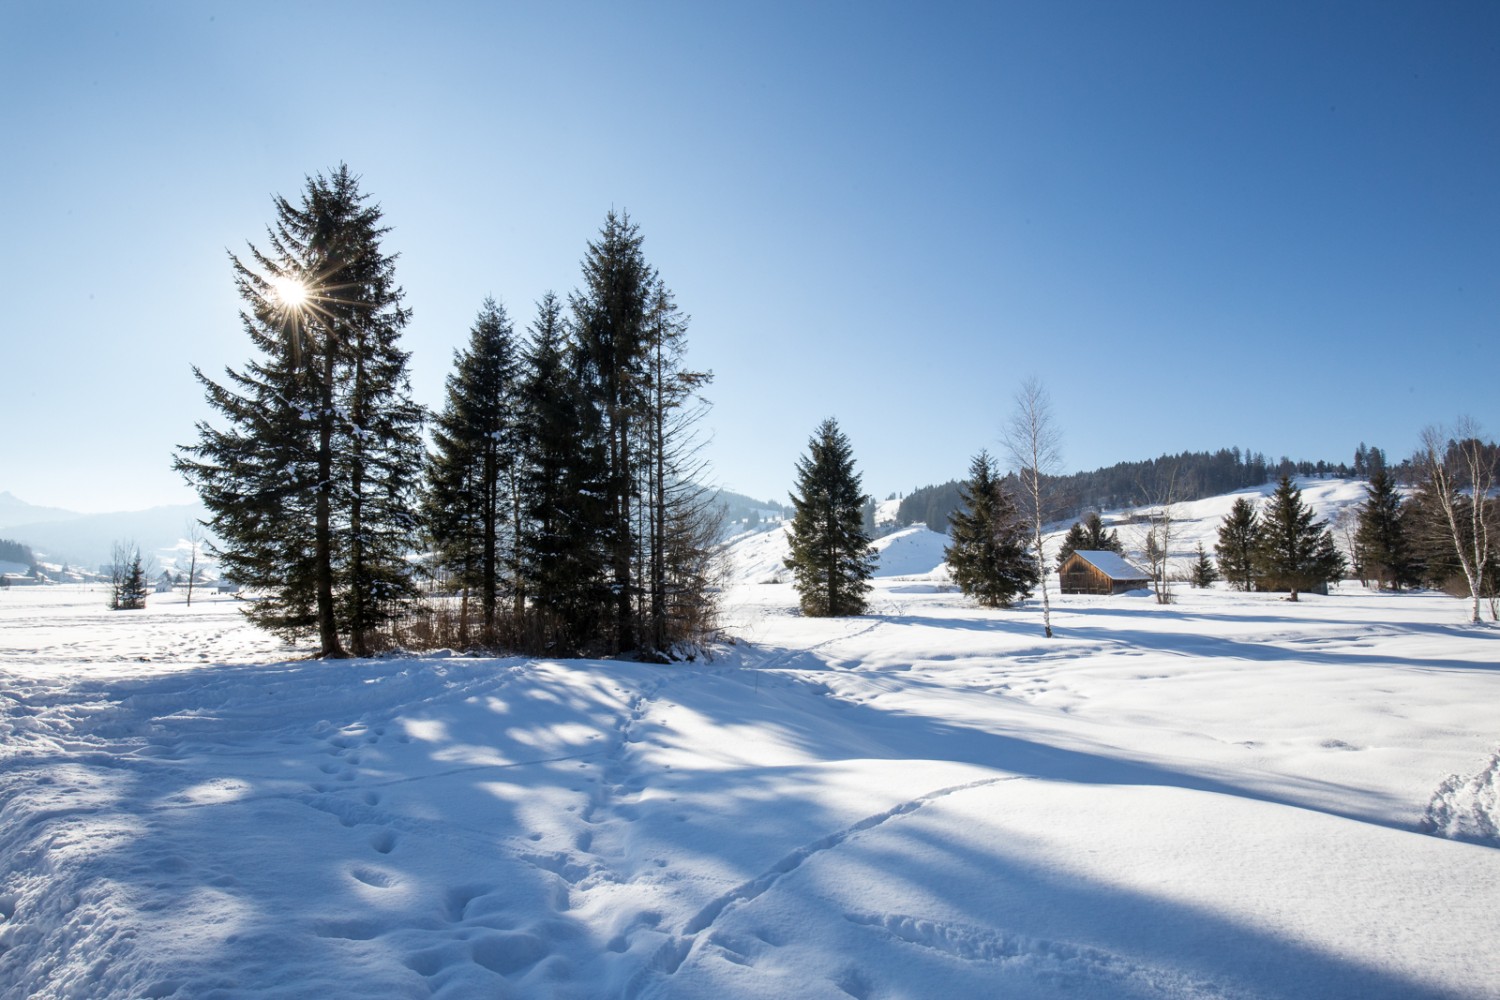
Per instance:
(1111,564)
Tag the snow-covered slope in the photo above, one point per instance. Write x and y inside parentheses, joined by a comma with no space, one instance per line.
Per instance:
(1198,520)
(917,551)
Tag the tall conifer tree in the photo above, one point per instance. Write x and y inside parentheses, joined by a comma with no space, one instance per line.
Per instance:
(1239,533)
(563,477)
(609,319)
(831,559)
(1295,551)
(470,481)
(990,554)
(1382,533)
(311,487)
(1071,543)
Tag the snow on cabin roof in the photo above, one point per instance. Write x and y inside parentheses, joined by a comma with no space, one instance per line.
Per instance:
(1111,564)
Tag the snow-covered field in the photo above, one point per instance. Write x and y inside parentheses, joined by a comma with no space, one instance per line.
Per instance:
(1220,798)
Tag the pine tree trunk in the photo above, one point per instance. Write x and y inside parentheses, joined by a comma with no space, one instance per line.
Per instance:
(328,633)
(359,583)
(488,517)
(518,584)
(624,604)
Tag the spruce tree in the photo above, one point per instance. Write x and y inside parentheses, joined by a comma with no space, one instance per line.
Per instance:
(831,559)
(1382,533)
(1239,534)
(990,555)
(312,485)
(609,320)
(1295,551)
(1097,538)
(471,495)
(564,473)
(1204,573)
(128,583)
(1074,540)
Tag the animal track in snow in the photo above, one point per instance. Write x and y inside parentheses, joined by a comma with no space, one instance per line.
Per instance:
(674,951)
(1060,962)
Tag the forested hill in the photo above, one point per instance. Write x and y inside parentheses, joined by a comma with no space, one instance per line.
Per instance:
(1188,476)
(15,552)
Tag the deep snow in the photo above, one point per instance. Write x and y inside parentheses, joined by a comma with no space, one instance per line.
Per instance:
(1226,797)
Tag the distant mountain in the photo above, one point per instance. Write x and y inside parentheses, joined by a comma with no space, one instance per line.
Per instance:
(14,510)
(86,540)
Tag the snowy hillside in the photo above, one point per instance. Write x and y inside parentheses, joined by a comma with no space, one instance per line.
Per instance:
(916,550)
(1199,520)
(1229,797)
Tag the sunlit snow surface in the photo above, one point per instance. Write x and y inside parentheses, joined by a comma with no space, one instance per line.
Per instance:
(1221,798)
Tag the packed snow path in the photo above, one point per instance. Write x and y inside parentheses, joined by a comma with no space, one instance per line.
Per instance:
(1223,798)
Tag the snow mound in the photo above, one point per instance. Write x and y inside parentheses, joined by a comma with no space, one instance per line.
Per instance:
(760,557)
(1467,808)
(910,552)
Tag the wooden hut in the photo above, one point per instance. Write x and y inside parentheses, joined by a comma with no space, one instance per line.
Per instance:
(1090,571)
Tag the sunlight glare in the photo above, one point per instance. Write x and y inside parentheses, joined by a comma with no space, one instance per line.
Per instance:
(289,292)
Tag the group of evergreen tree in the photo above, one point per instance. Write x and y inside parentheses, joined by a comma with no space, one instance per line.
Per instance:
(1385,549)
(1422,539)
(1281,548)
(1089,535)
(16,552)
(831,558)
(558,501)
(1187,476)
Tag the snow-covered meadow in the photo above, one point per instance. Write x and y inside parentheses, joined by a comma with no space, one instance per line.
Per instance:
(1225,797)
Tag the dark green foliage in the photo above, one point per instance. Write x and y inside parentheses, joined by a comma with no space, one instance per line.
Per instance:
(990,554)
(1071,543)
(1426,528)
(931,505)
(1097,537)
(1295,552)
(831,558)
(15,552)
(609,323)
(470,505)
(312,485)
(1239,535)
(1188,476)
(564,478)
(1089,535)
(1382,536)
(1434,556)
(1204,573)
(128,579)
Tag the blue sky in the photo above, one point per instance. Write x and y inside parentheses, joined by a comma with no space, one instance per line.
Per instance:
(1272,225)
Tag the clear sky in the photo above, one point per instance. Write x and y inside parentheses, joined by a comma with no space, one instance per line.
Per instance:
(1272,225)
